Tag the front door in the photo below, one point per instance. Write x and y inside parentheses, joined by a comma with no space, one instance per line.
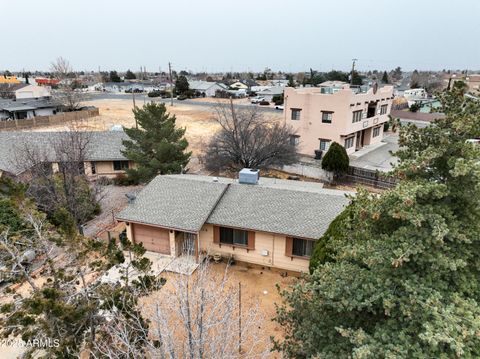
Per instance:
(359,141)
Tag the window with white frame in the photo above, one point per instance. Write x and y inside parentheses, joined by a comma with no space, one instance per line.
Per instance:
(324,144)
(296,114)
(349,142)
(383,109)
(327,116)
(376,131)
(357,116)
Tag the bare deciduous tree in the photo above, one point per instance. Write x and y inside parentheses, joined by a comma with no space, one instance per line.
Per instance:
(56,174)
(67,93)
(195,316)
(247,139)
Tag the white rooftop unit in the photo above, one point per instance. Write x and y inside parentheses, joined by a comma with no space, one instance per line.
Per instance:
(248,176)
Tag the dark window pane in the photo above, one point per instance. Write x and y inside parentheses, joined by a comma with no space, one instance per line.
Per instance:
(226,235)
(302,247)
(297,249)
(240,237)
(120,165)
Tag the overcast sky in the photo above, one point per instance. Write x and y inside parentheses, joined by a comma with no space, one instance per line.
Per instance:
(224,35)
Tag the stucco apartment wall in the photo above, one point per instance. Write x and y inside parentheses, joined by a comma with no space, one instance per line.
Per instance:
(342,103)
(273,243)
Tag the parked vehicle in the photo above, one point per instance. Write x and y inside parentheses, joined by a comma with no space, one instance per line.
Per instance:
(279,107)
(257,99)
(264,103)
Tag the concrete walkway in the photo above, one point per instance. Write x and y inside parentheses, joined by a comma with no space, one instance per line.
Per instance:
(377,157)
(160,262)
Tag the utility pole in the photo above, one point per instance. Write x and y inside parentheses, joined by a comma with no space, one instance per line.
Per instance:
(171,83)
(134,107)
(353,69)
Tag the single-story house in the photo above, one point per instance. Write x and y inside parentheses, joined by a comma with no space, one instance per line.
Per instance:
(206,88)
(267,222)
(269,93)
(23,91)
(103,156)
(118,86)
(281,83)
(28,108)
(239,85)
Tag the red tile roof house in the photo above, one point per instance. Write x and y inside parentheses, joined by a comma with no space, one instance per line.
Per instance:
(272,223)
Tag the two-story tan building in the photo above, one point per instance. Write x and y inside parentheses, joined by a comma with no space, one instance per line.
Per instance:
(272,223)
(350,116)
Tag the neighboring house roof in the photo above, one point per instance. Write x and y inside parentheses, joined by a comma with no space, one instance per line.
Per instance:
(249,82)
(201,85)
(32,104)
(9,87)
(186,202)
(175,203)
(275,90)
(102,146)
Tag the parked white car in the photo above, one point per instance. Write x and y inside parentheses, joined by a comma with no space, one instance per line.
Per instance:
(257,99)
(279,107)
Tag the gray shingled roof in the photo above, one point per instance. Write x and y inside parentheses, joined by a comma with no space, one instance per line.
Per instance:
(175,203)
(10,104)
(102,146)
(297,213)
(186,202)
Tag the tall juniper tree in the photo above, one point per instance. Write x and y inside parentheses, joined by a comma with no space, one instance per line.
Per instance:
(399,276)
(157,146)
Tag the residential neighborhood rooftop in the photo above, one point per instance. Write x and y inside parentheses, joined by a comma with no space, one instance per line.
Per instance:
(187,202)
(102,146)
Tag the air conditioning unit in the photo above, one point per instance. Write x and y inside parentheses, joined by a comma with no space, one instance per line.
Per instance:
(248,176)
(265,252)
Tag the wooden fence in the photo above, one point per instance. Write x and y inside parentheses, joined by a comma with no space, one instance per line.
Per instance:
(370,178)
(44,121)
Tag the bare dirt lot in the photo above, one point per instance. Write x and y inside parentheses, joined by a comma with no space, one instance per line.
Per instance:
(198,120)
(258,288)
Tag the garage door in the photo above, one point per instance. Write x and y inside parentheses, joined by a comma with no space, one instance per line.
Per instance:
(153,239)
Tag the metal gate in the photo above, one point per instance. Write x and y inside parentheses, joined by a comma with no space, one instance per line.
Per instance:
(188,245)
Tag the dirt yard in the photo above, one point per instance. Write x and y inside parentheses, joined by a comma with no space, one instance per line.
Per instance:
(258,288)
(197,119)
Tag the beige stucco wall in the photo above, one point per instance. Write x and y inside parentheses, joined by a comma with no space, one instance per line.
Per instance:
(273,243)
(342,103)
(104,168)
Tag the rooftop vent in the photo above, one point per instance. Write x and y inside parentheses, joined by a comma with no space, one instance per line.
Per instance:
(248,176)
(131,197)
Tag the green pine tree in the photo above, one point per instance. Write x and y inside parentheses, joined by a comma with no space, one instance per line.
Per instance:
(400,276)
(336,159)
(181,85)
(157,146)
(129,75)
(385,78)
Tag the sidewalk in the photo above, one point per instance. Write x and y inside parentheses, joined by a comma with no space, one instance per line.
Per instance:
(377,157)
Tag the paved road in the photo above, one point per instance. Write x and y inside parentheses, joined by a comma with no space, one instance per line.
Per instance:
(141,98)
